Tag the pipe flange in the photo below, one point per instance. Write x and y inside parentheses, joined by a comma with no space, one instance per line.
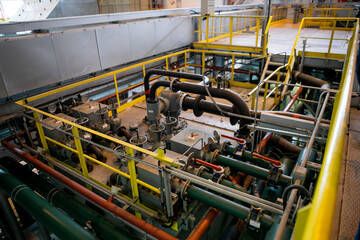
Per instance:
(166,104)
(196,110)
(183,191)
(172,83)
(200,170)
(182,100)
(214,155)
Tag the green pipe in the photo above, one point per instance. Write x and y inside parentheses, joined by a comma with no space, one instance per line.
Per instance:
(81,213)
(53,219)
(224,182)
(246,156)
(249,169)
(271,193)
(8,220)
(225,205)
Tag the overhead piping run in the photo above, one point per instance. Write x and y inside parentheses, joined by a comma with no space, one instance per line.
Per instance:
(139,223)
(239,104)
(53,219)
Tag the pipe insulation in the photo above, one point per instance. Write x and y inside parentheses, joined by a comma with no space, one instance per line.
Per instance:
(53,219)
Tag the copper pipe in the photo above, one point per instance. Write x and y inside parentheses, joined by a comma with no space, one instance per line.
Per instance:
(139,223)
(204,224)
(267,137)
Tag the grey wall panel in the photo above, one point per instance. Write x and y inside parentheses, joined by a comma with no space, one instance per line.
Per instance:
(3,92)
(143,40)
(77,53)
(114,45)
(173,33)
(28,63)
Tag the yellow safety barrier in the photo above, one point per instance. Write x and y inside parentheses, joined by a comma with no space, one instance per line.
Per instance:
(315,221)
(292,57)
(218,34)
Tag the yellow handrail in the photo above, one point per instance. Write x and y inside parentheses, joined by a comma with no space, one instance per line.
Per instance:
(321,211)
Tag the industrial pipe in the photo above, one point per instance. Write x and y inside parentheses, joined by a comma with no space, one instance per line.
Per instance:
(225,205)
(53,219)
(250,169)
(285,144)
(204,224)
(91,148)
(141,224)
(267,137)
(227,94)
(80,212)
(122,132)
(310,80)
(213,166)
(8,220)
(168,74)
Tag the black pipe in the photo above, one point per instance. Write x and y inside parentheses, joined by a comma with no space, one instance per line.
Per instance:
(284,144)
(199,106)
(91,148)
(168,74)
(122,132)
(8,220)
(310,80)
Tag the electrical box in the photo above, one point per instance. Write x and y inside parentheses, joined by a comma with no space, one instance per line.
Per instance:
(207,7)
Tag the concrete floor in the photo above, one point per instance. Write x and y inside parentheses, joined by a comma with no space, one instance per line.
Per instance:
(348,217)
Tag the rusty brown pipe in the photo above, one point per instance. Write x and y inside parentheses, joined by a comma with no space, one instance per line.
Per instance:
(204,224)
(285,144)
(139,223)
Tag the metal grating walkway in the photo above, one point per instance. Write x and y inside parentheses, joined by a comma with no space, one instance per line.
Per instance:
(350,207)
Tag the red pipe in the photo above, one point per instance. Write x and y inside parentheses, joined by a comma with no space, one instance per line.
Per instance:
(141,224)
(204,224)
(215,167)
(276,162)
(267,137)
(239,140)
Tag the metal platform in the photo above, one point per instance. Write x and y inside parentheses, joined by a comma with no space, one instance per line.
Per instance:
(350,205)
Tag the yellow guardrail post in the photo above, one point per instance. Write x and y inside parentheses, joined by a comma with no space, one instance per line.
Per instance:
(185,61)
(41,133)
(203,63)
(207,29)
(238,21)
(144,70)
(213,27)
(231,29)
(331,38)
(133,179)
(200,33)
(232,68)
(257,31)
(265,96)
(80,152)
(347,22)
(116,89)
(277,86)
(253,101)
(167,66)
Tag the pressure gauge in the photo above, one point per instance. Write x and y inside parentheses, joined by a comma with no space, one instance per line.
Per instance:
(52,108)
